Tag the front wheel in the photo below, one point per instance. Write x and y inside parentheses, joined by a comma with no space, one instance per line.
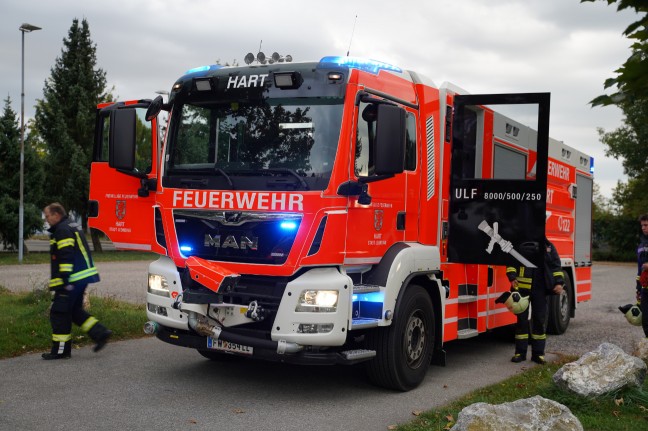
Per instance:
(559,309)
(404,349)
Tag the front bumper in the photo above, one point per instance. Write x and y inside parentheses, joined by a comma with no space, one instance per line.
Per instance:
(264,350)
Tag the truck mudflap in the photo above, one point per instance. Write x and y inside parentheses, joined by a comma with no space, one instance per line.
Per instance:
(262,349)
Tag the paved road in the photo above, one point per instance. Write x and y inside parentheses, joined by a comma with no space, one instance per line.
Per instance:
(146,384)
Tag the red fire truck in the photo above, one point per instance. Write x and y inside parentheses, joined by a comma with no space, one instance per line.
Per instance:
(337,212)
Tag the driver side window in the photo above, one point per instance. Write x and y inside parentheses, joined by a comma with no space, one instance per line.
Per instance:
(366,131)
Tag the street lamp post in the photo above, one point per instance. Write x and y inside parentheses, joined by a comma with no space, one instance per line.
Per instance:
(25,28)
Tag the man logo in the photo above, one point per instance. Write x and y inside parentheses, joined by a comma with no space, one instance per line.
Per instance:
(120,210)
(378,219)
(232,217)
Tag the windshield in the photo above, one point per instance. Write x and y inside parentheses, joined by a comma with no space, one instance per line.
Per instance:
(269,144)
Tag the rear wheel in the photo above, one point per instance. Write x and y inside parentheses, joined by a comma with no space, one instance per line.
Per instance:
(559,309)
(404,349)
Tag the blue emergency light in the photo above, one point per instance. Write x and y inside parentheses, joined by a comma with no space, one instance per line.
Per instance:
(366,65)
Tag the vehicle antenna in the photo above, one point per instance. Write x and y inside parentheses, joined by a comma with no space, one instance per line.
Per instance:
(352,31)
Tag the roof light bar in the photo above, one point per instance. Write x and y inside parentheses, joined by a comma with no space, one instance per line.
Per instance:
(371,66)
(203,69)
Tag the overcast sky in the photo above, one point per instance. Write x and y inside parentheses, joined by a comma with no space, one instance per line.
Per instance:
(484,46)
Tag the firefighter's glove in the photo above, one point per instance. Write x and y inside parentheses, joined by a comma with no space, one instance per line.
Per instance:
(65,288)
(514,286)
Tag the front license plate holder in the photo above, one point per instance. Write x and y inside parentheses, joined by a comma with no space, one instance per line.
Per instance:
(226,346)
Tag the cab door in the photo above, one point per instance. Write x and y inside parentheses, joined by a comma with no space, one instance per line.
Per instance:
(121,201)
(497,221)
(377,217)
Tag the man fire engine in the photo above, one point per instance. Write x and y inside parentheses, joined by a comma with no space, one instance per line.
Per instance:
(337,212)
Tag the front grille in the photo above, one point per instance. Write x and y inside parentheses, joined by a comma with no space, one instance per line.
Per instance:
(236,236)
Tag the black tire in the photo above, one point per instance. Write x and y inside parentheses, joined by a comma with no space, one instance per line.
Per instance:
(559,309)
(404,349)
(219,356)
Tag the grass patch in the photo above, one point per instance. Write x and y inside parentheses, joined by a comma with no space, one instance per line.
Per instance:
(25,325)
(31,258)
(624,410)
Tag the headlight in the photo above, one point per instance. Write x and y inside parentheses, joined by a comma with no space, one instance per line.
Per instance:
(157,285)
(318,301)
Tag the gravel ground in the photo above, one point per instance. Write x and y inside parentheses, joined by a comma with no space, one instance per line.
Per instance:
(599,320)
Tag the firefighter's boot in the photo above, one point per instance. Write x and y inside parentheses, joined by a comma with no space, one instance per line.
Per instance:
(100,334)
(521,346)
(538,343)
(60,350)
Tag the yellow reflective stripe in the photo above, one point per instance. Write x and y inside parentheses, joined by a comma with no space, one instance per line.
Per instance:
(55,282)
(61,337)
(524,286)
(52,241)
(89,323)
(67,242)
(522,337)
(558,274)
(83,250)
(65,267)
(539,337)
(510,269)
(522,271)
(83,274)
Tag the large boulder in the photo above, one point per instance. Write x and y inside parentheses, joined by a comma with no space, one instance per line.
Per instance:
(604,370)
(529,414)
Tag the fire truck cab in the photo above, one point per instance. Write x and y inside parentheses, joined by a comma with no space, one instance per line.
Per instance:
(329,212)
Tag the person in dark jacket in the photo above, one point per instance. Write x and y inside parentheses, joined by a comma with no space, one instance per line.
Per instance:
(642,269)
(527,282)
(72,269)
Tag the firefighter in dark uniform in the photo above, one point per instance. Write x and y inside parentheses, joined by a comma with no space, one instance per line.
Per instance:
(642,273)
(72,269)
(527,282)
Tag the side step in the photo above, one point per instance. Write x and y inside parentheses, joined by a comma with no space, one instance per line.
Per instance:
(358,354)
(364,322)
(365,288)
(462,334)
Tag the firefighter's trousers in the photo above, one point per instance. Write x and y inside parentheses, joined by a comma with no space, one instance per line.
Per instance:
(538,306)
(67,307)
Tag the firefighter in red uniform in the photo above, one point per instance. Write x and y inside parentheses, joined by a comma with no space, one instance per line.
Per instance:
(72,269)
(529,284)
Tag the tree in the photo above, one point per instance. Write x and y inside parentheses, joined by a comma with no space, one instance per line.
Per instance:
(10,184)
(619,228)
(630,143)
(632,77)
(65,119)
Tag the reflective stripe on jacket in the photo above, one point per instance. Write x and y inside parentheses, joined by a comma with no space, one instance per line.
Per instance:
(71,261)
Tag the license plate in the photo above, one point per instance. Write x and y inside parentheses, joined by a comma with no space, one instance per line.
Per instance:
(226,346)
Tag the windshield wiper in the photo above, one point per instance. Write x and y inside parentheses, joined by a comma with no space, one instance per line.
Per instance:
(224,174)
(290,172)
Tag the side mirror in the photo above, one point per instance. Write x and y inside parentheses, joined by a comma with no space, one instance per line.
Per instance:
(121,140)
(390,140)
(154,108)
